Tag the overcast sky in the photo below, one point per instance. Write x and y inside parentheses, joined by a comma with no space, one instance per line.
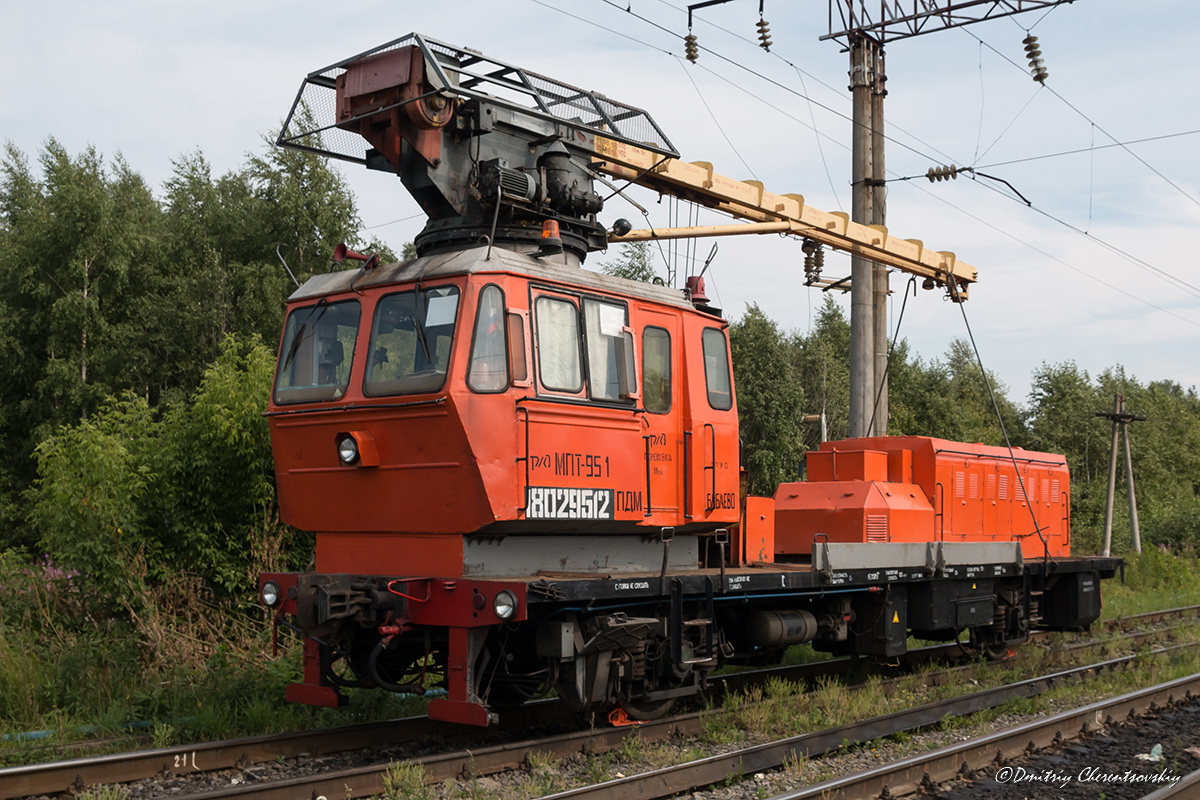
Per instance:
(1100,270)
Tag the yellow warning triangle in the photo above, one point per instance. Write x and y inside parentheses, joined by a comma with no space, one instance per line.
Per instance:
(895,616)
(973,586)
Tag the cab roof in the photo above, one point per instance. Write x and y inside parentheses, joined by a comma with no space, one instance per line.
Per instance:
(477,260)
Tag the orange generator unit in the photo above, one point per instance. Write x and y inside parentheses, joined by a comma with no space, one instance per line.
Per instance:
(920,489)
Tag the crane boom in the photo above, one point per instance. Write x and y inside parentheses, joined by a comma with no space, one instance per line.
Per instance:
(491,150)
(768,212)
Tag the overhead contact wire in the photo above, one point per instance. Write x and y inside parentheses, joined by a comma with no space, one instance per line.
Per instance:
(715,120)
(1037,528)
(911,149)
(1071,106)
(775,83)
(912,284)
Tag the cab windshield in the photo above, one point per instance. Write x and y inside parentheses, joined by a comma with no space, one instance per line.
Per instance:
(410,342)
(317,351)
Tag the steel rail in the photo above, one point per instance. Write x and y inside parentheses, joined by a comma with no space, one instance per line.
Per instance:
(369,780)
(183,760)
(59,776)
(966,758)
(772,755)
(178,761)
(1186,787)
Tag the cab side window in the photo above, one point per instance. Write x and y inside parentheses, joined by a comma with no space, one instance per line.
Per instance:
(716,369)
(584,348)
(609,351)
(656,370)
(489,346)
(558,345)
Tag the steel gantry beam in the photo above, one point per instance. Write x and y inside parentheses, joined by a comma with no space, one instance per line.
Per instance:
(889,20)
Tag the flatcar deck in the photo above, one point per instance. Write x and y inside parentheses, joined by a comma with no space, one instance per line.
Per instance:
(837,567)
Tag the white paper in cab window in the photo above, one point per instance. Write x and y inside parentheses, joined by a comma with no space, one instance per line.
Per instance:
(612,320)
(440,310)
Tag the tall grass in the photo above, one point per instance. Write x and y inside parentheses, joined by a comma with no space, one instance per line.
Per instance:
(191,668)
(1153,580)
(182,665)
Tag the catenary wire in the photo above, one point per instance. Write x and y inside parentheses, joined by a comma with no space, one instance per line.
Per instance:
(800,75)
(987,382)
(715,120)
(1079,150)
(887,369)
(776,83)
(1112,248)
(982,43)
(1100,128)
(982,105)
(889,138)
(1054,258)
(393,222)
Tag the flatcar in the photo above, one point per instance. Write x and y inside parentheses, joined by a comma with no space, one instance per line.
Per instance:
(525,476)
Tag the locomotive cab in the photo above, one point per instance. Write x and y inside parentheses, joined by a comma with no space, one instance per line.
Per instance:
(489,396)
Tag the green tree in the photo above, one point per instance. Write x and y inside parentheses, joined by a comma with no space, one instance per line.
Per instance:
(216,503)
(949,399)
(1165,451)
(1166,456)
(130,495)
(88,502)
(298,199)
(633,262)
(822,360)
(770,400)
(76,246)
(1061,419)
(107,290)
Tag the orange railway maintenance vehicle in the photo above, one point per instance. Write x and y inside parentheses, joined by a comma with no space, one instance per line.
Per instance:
(524,476)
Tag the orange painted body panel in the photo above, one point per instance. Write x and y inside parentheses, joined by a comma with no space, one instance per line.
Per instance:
(426,481)
(402,555)
(849,511)
(520,458)
(970,493)
(754,539)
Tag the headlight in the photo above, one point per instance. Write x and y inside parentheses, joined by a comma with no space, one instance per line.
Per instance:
(505,605)
(347,450)
(270,594)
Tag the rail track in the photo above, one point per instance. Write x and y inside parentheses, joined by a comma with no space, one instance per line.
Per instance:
(502,754)
(949,763)
(901,778)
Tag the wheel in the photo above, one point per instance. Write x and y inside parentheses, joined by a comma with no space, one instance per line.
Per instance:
(646,710)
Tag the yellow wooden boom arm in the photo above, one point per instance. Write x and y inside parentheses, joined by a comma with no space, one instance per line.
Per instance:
(769,213)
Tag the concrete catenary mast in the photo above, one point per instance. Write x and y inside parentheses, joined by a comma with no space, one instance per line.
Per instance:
(864,28)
